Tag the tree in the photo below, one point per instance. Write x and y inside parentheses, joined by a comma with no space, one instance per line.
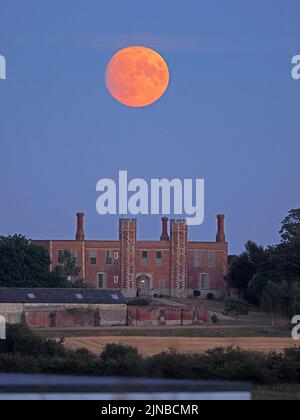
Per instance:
(284,263)
(295,298)
(245,266)
(81,284)
(256,288)
(69,266)
(24,264)
(276,299)
(290,230)
(236,307)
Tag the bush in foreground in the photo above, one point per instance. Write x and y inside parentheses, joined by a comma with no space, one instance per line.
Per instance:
(24,352)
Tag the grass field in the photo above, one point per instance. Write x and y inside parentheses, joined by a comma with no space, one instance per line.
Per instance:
(149,346)
(212,332)
(287,392)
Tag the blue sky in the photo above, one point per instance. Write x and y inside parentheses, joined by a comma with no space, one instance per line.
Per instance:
(230,115)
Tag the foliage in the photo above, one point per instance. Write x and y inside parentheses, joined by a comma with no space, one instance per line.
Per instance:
(290,230)
(245,266)
(24,264)
(139,302)
(27,353)
(236,307)
(271,277)
(122,359)
(81,284)
(68,266)
(21,340)
(214,319)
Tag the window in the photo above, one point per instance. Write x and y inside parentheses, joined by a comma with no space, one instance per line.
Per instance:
(93,257)
(108,258)
(62,255)
(161,285)
(74,256)
(204,281)
(144,257)
(101,280)
(197,259)
(211,259)
(159,258)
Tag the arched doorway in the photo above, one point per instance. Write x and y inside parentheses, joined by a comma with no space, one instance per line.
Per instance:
(143,285)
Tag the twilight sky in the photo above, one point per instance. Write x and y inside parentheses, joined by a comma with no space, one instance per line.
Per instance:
(231,113)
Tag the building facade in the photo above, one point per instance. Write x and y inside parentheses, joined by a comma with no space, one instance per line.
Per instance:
(172,266)
(63,308)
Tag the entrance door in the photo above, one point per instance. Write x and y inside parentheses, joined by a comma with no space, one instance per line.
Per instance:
(143,284)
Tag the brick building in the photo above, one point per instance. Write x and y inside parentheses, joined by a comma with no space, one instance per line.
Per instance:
(172,266)
(63,308)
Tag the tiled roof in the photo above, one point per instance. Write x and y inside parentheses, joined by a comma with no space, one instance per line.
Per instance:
(79,296)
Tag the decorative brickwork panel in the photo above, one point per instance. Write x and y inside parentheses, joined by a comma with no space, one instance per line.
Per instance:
(179,238)
(128,229)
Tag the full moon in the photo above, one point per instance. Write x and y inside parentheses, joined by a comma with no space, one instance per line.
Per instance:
(137,76)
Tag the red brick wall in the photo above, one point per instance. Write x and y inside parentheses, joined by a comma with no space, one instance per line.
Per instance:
(140,316)
(76,317)
(178,260)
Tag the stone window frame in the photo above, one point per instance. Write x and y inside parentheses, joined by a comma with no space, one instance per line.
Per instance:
(159,260)
(201,281)
(104,280)
(93,256)
(144,260)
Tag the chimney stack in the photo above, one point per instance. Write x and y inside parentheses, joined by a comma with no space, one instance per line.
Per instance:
(221,228)
(80,228)
(164,235)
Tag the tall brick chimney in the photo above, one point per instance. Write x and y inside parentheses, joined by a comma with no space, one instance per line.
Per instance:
(80,228)
(221,228)
(164,235)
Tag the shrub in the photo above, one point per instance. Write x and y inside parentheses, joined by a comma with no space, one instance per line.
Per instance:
(170,364)
(18,363)
(231,364)
(214,319)
(236,307)
(20,339)
(196,293)
(120,360)
(139,302)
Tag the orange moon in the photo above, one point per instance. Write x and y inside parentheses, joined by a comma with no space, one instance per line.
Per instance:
(137,76)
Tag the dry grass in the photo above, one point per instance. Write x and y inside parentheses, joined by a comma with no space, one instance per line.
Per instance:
(148,346)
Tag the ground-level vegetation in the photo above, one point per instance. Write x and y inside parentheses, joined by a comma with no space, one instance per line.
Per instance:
(23,351)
